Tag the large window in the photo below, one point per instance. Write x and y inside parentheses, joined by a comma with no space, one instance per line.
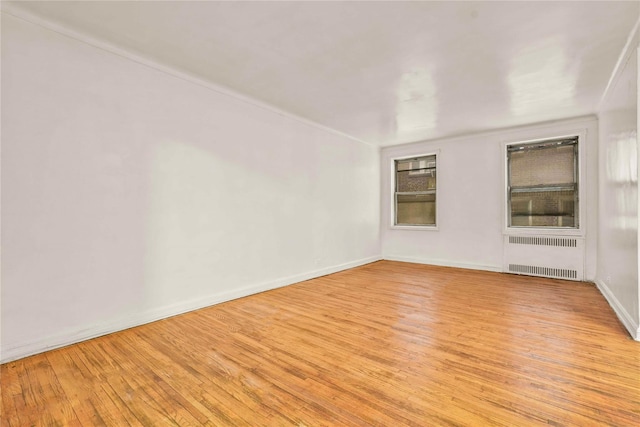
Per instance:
(415,191)
(542,187)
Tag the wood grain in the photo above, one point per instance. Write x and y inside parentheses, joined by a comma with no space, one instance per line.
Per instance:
(386,344)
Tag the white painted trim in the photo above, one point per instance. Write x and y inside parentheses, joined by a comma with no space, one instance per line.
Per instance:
(623,315)
(582,121)
(442,263)
(637,335)
(629,47)
(621,312)
(1,222)
(12,10)
(73,336)
(417,227)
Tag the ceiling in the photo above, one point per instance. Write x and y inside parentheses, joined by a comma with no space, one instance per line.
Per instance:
(381,72)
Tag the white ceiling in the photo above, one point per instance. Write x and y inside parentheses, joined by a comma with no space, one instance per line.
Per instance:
(381,72)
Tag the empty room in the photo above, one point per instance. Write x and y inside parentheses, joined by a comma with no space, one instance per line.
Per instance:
(331,213)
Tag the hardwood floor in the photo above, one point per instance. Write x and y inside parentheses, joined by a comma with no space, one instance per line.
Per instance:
(386,344)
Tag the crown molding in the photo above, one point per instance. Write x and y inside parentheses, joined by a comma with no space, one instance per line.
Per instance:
(12,9)
(630,46)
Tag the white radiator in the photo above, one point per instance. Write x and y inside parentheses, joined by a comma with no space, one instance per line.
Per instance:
(546,256)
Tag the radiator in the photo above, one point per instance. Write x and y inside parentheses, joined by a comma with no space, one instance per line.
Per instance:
(545,256)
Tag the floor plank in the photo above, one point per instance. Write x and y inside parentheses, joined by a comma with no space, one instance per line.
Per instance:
(385,344)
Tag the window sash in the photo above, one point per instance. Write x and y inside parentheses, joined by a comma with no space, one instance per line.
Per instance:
(415,191)
(547,206)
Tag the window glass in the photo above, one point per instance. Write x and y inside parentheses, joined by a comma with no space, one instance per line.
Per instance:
(415,191)
(543,184)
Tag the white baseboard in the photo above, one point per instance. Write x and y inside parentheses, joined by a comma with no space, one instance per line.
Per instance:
(72,336)
(624,316)
(443,263)
(632,326)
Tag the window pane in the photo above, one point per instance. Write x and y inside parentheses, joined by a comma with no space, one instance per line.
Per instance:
(551,165)
(414,177)
(543,183)
(416,209)
(418,180)
(543,209)
(416,163)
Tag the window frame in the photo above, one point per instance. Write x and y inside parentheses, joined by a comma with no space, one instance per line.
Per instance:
(392,210)
(581,216)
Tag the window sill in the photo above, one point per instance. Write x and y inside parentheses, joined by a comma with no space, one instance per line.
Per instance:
(546,231)
(414,227)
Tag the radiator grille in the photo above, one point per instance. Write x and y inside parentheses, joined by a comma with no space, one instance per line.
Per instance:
(543,271)
(544,241)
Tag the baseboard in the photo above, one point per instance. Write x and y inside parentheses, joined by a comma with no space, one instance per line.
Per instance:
(443,263)
(624,316)
(73,336)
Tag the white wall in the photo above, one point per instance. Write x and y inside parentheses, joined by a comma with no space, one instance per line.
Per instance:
(617,275)
(470,198)
(130,194)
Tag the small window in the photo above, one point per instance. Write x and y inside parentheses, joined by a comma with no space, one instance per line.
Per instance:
(415,191)
(542,188)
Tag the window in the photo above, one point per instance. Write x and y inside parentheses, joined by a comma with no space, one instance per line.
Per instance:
(415,191)
(542,186)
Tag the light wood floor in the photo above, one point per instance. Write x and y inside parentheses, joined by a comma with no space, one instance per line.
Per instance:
(386,344)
